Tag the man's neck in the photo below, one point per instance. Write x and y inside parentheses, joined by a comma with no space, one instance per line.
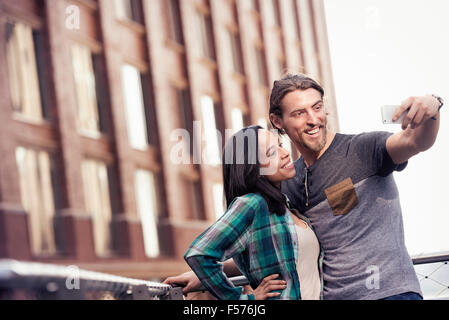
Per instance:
(311,156)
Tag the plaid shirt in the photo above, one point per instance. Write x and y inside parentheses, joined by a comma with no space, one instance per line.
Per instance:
(261,244)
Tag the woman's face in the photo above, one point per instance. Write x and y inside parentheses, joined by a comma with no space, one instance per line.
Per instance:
(275,161)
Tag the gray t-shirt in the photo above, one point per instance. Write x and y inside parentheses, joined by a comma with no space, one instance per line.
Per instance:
(352,201)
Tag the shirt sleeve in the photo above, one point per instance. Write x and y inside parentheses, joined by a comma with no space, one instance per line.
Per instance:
(372,149)
(227,237)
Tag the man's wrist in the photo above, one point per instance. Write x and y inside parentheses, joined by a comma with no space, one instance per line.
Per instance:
(441,103)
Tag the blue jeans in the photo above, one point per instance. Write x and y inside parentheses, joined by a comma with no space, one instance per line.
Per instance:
(405,296)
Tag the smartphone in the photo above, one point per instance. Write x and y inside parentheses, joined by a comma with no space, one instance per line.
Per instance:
(387,114)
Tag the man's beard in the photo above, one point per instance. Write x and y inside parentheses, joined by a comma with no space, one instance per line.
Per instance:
(316,147)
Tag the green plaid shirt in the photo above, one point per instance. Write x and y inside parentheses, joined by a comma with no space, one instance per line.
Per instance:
(261,244)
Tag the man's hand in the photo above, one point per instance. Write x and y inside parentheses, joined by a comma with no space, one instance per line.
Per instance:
(187,279)
(419,133)
(268,284)
(420,109)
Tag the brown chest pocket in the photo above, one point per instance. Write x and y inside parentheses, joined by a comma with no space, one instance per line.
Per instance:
(342,197)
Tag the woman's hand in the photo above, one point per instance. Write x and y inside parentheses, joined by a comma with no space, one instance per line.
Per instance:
(268,284)
(188,279)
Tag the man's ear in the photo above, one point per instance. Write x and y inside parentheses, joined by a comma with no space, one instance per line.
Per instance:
(276,121)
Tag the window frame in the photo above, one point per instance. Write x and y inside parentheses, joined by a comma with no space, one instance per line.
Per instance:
(42,211)
(34,77)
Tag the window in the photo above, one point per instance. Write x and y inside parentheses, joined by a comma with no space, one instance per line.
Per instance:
(273,8)
(186,116)
(129,10)
(276,12)
(282,67)
(218,194)
(36,191)
(102,91)
(24,69)
(98,204)
(184,109)
(292,20)
(175,23)
(147,206)
(134,106)
(237,119)
(210,131)
(308,39)
(193,197)
(261,67)
(85,84)
(254,5)
(236,49)
(206,34)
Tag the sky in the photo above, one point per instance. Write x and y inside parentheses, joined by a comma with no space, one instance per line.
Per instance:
(382,52)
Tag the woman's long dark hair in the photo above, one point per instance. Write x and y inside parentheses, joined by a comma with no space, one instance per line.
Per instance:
(241,170)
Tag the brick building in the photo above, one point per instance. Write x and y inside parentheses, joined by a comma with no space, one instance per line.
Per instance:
(92,92)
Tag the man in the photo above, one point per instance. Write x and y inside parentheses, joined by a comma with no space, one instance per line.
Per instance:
(344,185)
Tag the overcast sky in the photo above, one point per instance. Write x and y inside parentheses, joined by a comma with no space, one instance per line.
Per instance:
(384,51)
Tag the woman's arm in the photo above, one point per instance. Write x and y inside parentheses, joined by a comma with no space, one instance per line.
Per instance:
(225,238)
(190,281)
(263,291)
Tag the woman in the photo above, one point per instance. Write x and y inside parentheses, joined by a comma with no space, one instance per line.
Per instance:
(274,249)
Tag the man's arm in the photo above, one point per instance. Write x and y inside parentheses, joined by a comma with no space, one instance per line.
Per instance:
(419,129)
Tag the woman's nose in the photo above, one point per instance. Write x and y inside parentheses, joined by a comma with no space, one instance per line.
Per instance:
(284,153)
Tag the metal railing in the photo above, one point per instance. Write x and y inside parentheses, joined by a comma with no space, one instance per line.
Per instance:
(47,281)
(433,258)
(433,274)
(427,259)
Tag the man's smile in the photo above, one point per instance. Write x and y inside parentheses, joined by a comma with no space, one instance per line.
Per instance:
(314,132)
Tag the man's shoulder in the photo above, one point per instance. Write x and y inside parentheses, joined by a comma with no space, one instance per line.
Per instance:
(367,136)
(362,140)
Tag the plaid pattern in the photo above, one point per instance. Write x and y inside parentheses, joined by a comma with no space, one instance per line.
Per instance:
(260,243)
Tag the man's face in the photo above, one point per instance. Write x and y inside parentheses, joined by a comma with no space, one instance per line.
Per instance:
(304,119)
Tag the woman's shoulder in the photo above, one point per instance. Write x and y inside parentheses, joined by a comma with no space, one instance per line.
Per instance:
(244,208)
(255,200)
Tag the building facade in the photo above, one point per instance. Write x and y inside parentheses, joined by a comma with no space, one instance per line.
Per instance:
(96,96)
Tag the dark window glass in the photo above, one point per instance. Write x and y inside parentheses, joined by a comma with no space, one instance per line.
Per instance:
(276,13)
(261,66)
(175,26)
(207,38)
(237,55)
(195,199)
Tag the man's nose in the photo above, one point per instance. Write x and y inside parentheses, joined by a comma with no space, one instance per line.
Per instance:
(312,118)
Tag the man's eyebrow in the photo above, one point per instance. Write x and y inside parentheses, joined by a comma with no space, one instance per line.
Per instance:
(301,109)
(319,101)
